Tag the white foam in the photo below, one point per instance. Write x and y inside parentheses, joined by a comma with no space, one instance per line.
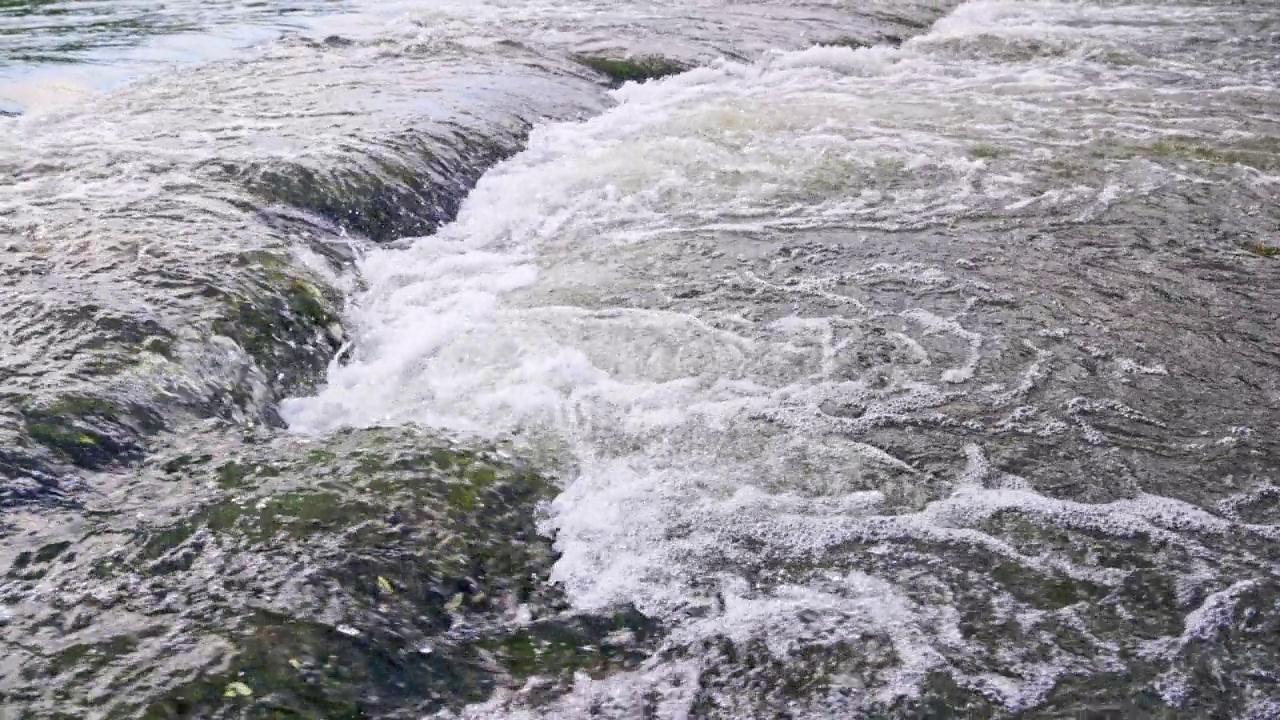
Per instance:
(1205,622)
(694,428)
(666,690)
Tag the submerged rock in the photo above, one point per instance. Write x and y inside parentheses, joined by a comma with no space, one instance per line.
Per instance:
(376,574)
(633,69)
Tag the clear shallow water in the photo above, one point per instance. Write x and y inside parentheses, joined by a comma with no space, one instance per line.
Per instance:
(932,378)
(56,51)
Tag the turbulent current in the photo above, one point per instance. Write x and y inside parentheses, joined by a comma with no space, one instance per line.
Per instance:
(569,359)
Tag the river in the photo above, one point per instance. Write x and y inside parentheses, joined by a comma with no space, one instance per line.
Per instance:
(574,358)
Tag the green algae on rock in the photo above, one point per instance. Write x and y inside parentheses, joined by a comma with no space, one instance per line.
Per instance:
(90,432)
(1263,250)
(287,324)
(632,69)
(986,151)
(331,580)
(1257,153)
(274,334)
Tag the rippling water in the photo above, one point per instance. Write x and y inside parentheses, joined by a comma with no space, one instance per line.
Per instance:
(681,360)
(56,52)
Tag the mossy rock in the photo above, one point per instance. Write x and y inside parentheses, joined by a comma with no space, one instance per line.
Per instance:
(287,324)
(1263,250)
(293,668)
(986,151)
(632,69)
(1253,155)
(376,574)
(91,432)
(1260,154)
(845,41)
(414,184)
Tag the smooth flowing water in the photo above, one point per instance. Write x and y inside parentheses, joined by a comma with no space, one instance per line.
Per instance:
(680,360)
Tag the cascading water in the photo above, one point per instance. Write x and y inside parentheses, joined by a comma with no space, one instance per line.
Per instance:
(870,362)
(751,306)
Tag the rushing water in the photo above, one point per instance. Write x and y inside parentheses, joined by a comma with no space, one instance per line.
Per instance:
(682,360)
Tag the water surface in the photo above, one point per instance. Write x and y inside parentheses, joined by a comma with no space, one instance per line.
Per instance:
(850,360)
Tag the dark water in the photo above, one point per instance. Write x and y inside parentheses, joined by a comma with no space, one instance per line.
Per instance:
(681,360)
